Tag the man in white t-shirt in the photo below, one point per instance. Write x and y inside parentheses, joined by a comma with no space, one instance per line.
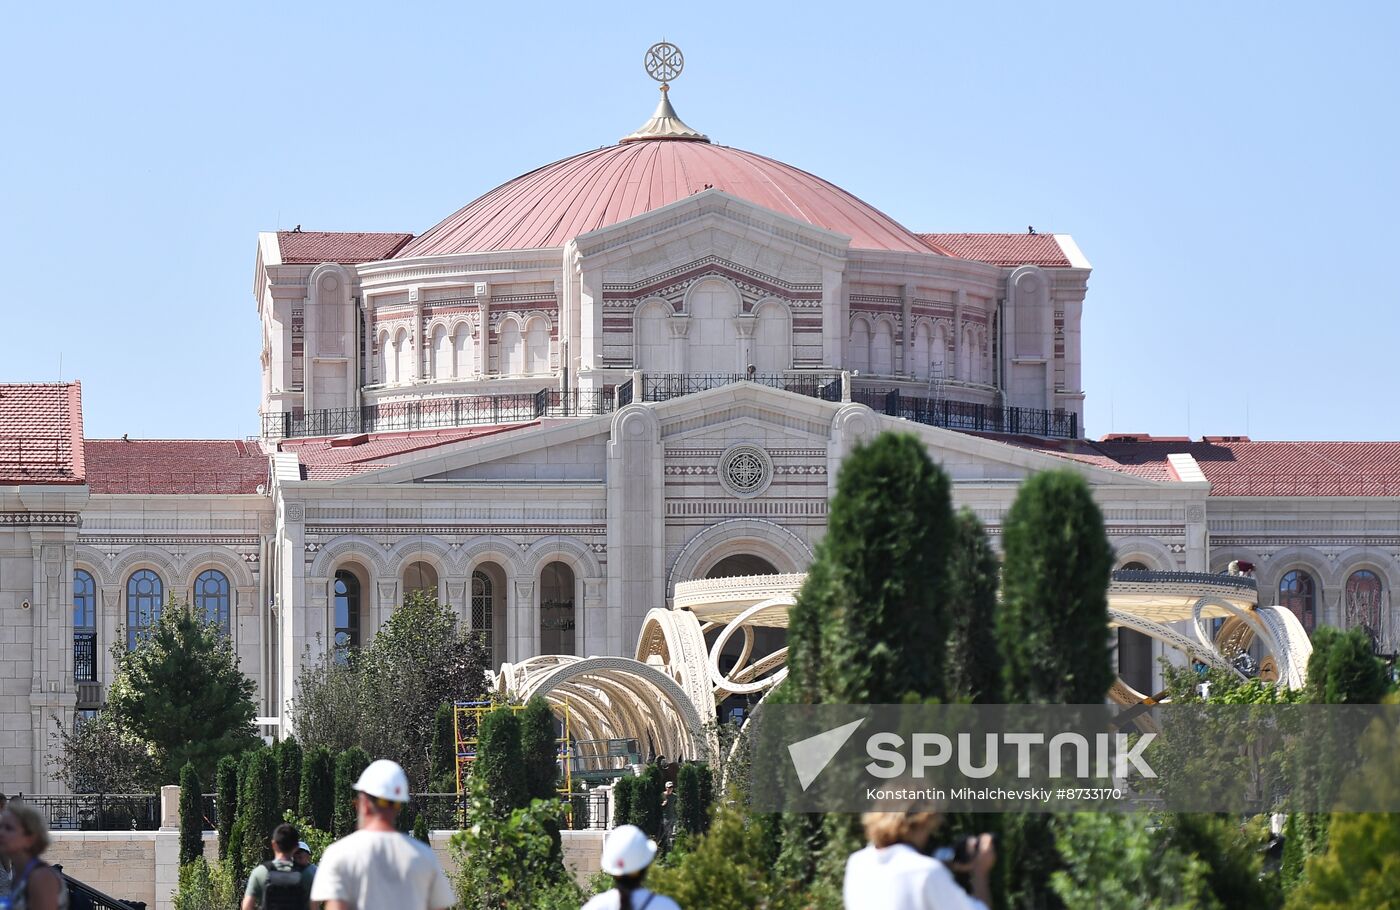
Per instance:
(377,867)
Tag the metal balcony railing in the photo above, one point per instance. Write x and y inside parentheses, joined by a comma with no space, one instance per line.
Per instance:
(84,658)
(971,416)
(98,811)
(665,386)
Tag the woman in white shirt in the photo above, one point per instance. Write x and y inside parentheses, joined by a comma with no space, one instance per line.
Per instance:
(893,872)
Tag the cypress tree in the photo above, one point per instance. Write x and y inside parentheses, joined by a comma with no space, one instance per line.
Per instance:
(289,759)
(645,812)
(1052,629)
(690,811)
(442,763)
(500,762)
(420,828)
(1053,623)
(974,662)
(191,815)
(316,796)
(540,748)
(226,800)
(348,766)
(258,806)
(870,620)
(622,800)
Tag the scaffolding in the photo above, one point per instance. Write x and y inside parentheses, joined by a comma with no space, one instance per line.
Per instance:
(466,722)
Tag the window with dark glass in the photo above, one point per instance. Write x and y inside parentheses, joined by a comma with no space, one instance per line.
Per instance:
(347,615)
(1364,597)
(483,611)
(211,598)
(1298,592)
(144,592)
(84,627)
(557,609)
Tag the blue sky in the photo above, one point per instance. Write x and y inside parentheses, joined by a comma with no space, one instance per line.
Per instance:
(1229,169)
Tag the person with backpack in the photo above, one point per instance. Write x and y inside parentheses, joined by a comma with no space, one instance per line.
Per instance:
(279,883)
(378,867)
(626,855)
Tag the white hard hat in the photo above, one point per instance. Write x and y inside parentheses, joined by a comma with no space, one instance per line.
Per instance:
(301,845)
(627,850)
(384,779)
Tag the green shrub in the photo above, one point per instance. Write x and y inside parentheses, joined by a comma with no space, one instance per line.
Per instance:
(201,887)
(690,811)
(973,659)
(442,764)
(348,766)
(420,829)
(191,815)
(258,806)
(728,868)
(316,794)
(646,801)
(539,746)
(508,861)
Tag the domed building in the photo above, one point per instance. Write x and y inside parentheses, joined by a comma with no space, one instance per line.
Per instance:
(632,369)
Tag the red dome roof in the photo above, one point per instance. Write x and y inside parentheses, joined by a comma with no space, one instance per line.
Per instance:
(552,205)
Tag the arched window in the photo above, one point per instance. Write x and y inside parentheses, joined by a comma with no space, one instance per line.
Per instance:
(882,349)
(384,358)
(347,615)
(463,352)
(144,594)
(1134,566)
(923,352)
(1298,592)
(557,609)
(772,339)
(442,353)
(537,347)
(1365,595)
(484,613)
(211,598)
(420,577)
(858,348)
(403,357)
(510,350)
(651,337)
(84,627)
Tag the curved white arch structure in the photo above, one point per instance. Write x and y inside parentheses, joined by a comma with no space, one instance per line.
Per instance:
(665,697)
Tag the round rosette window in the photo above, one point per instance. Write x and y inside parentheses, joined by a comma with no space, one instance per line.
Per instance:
(745,470)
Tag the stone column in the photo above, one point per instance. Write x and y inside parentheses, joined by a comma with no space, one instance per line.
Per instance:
(384,607)
(836,318)
(111,617)
(954,370)
(593,617)
(457,597)
(415,337)
(287,628)
(483,329)
(680,327)
(590,341)
(906,331)
(744,324)
(243,625)
(523,622)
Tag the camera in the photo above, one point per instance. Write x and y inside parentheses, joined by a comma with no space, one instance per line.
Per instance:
(961,851)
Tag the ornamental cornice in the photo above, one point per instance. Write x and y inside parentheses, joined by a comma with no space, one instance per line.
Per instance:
(151,540)
(641,287)
(44,519)
(465,530)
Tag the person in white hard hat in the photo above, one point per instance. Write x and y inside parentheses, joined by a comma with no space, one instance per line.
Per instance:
(626,855)
(377,866)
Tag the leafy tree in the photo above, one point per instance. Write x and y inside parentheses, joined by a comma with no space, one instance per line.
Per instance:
(1120,861)
(181,690)
(1342,669)
(100,756)
(316,795)
(386,700)
(974,661)
(348,766)
(1053,621)
(258,805)
(500,762)
(442,765)
(876,595)
(191,815)
(508,860)
(226,800)
(202,887)
(622,800)
(289,759)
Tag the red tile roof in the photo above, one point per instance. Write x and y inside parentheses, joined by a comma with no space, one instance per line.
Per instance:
(155,467)
(1237,466)
(41,433)
(332,458)
(1007,250)
(335,246)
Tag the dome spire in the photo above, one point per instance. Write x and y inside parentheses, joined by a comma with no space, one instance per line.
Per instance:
(664,62)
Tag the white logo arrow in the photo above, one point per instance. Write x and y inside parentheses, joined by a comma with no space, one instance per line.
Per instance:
(810,756)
